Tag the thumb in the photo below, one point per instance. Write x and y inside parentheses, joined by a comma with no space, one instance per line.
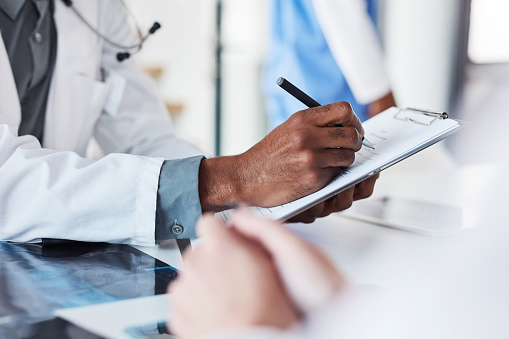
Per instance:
(272,235)
(209,226)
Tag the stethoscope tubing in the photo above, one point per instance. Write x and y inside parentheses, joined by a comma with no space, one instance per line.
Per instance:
(130,16)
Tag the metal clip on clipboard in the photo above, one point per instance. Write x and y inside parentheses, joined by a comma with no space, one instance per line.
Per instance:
(423,217)
(424,118)
(419,116)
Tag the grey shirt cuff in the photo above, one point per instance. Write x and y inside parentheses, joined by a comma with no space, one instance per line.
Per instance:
(178,200)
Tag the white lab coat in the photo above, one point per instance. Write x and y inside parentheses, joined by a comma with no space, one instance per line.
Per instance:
(54,191)
(354,44)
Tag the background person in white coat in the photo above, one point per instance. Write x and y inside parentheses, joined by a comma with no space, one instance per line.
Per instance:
(331,50)
(61,86)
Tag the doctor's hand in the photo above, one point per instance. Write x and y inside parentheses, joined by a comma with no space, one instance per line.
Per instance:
(297,158)
(339,202)
(228,283)
(380,105)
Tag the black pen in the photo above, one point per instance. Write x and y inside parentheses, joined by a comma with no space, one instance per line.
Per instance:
(308,101)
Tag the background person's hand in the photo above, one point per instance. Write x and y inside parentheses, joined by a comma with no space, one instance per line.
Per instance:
(297,158)
(308,275)
(228,283)
(381,104)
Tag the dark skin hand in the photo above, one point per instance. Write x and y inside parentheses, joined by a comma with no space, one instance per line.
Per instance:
(381,104)
(297,158)
(339,202)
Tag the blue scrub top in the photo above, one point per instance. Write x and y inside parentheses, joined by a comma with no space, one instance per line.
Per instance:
(299,52)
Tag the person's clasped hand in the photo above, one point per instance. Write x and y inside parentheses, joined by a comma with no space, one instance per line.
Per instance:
(256,273)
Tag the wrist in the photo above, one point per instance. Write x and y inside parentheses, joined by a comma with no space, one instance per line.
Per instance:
(381,104)
(219,183)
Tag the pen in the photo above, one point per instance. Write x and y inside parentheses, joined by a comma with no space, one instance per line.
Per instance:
(308,101)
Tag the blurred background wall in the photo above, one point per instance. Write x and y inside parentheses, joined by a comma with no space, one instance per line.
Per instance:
(421,41)
(425,41)
(181,58)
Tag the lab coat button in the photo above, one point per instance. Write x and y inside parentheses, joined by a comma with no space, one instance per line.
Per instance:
(37,37)
(177,229)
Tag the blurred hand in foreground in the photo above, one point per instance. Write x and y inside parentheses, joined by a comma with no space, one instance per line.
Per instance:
(228,283)
(256,273)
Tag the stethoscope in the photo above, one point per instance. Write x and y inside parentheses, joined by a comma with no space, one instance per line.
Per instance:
(128,49)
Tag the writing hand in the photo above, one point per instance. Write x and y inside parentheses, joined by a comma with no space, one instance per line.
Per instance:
(297,158)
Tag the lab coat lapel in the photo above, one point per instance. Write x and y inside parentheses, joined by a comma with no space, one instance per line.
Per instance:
(10,110)
(73,78)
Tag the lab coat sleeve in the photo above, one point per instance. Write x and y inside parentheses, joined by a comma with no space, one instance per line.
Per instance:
(135,121)
(54,194)
(51,194)
(353,41)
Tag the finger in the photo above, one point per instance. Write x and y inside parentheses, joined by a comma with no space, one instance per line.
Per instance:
(313,181)
(310,214)
(335,137)
(338,113)
(334,157)
(365,188)
(339,202)
(328,207)
(216,237)
(293,258)
(270,234)
(211,227)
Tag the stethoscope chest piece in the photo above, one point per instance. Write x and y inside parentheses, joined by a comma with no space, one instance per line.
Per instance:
(127,49)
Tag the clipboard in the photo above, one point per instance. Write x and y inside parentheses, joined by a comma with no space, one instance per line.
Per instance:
(396,133)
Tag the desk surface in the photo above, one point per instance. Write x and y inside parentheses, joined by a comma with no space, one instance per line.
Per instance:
(38,280)
(446,273)
(435,268)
